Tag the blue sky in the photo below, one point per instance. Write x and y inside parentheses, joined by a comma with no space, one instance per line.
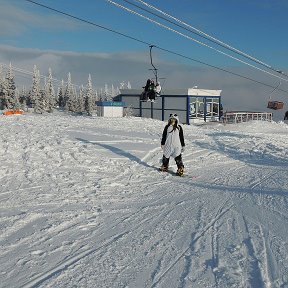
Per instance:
(255,27)
(33,35)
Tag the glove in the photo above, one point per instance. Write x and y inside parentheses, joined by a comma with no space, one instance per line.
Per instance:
(162,147)
(182,149)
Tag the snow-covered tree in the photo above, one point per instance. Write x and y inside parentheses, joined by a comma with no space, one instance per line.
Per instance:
(23,98)
(113,91)
(1,74)
(106,93)
(60,97)
(9,90)
(89,105)
(73,101)
(50,94)
(2,102)
(80,107)
(124,85)
(17,104)
(34,94)
(68,94)
(2,78)
(38,94)
(96,96)
(101,94)
(3,94)
(40,104)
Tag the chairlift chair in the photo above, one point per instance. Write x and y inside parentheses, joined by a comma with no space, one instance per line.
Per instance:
(156,85)
(275,105)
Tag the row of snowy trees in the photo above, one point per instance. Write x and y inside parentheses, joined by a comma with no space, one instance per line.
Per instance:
(68,96)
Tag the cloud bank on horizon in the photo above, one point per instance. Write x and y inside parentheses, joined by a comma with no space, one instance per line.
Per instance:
(22,23)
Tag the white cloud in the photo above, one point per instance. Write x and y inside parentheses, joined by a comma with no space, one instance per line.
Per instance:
(104,67)
(16,19)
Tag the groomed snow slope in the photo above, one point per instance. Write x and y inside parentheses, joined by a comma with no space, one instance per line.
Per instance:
(83,205)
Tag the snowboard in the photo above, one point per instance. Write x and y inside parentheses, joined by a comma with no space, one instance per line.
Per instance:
(182,176)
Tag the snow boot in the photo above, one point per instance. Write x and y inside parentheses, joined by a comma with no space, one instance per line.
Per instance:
(180,171)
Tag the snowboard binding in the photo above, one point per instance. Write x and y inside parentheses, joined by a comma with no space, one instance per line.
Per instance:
(163,168)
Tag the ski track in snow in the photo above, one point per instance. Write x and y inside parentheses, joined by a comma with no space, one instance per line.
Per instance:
(84,205)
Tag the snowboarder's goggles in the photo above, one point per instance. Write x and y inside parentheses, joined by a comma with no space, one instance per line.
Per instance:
(173,115)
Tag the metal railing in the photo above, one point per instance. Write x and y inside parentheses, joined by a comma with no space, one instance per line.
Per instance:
(238,117)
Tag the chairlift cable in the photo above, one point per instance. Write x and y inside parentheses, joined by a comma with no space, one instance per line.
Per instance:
(148,44)
(274,90)
(221,69)
(192,39)
(201,34)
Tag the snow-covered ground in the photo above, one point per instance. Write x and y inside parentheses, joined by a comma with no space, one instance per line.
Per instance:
(82,204)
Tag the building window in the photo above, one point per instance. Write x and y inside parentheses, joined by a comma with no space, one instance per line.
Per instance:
(199,106)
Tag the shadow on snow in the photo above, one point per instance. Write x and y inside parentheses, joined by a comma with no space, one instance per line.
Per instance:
(193,182)
(119,152)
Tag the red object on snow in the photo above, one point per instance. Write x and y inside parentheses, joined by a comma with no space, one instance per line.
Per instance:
(13,112)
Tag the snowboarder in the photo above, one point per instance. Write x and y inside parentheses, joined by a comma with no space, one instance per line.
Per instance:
(173,144)
(286,115)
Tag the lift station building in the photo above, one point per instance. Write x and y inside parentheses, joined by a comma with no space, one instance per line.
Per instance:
(191,105)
